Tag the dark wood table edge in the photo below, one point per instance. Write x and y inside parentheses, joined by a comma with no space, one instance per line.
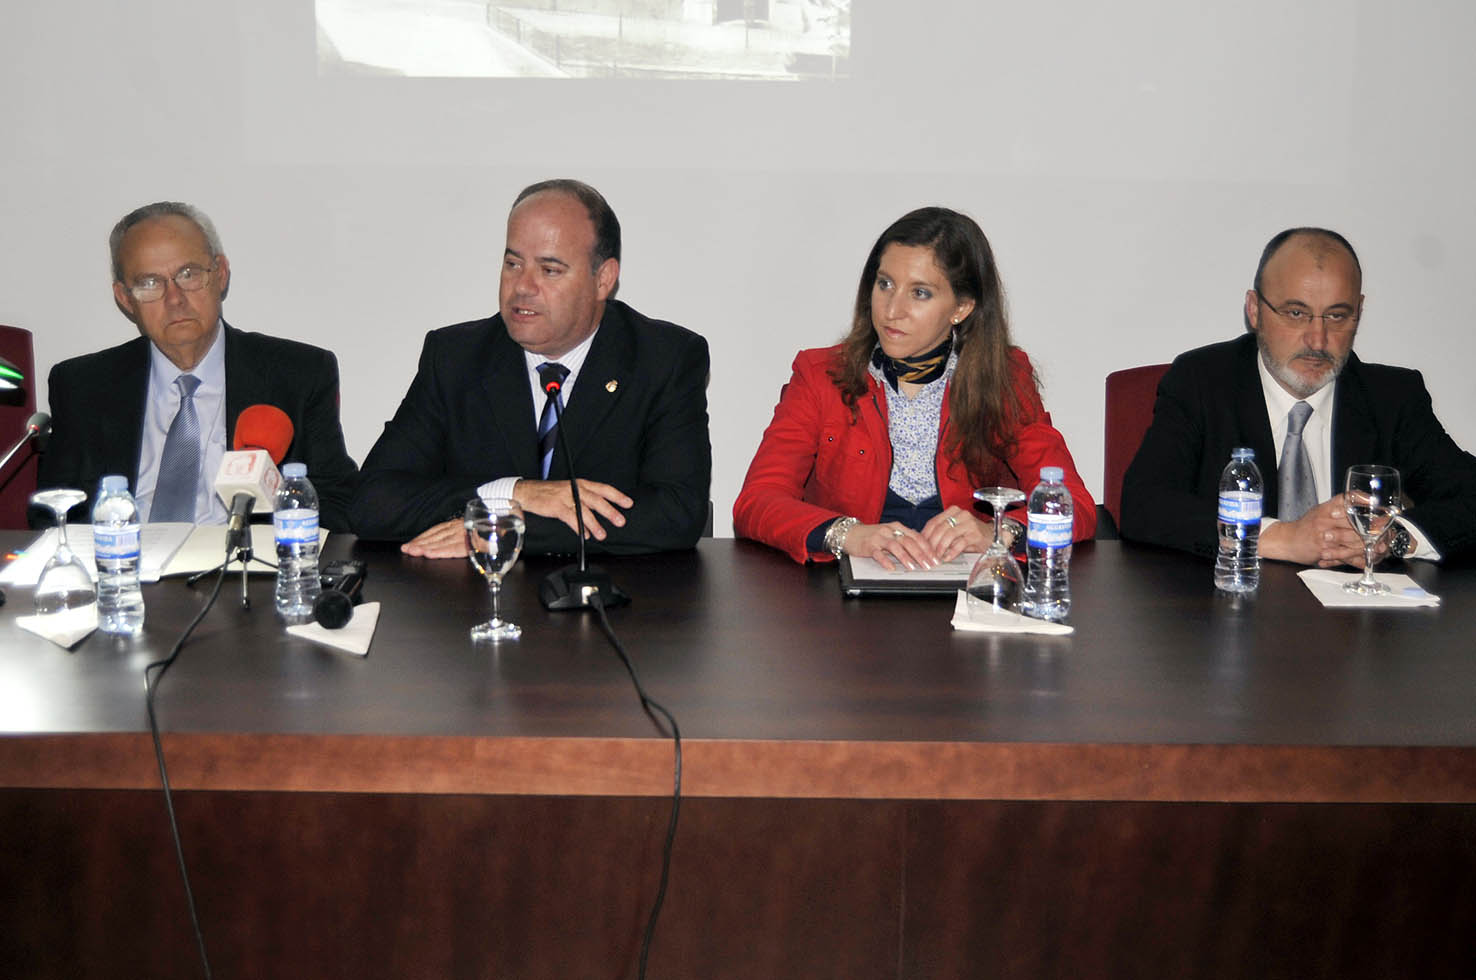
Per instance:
(745,768)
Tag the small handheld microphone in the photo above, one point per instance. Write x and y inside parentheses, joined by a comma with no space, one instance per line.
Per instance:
(573,586)
(343,585)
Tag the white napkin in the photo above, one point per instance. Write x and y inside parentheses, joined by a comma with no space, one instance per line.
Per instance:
(65,629)
(977,617)
(1327,586)
(354,637)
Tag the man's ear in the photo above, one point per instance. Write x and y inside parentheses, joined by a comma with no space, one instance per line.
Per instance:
(606,277)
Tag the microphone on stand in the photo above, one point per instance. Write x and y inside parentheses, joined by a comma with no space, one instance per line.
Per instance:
(38,426)
(247,479)
(572,586)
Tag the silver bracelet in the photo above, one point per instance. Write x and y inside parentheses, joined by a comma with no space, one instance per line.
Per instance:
(835,535)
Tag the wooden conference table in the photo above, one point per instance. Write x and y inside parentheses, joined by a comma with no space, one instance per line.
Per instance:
(1189,786)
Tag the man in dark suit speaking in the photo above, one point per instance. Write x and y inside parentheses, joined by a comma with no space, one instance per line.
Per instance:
(162,408)
(477,420)
(1294,391)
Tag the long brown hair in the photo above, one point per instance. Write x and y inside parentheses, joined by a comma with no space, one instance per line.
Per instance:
(984,407)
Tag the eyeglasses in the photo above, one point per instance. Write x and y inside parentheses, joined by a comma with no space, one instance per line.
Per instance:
(192,278)
(1298,317)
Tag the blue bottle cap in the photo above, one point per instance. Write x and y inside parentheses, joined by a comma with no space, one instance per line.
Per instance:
(114,484)
(1052,474)
(291,471)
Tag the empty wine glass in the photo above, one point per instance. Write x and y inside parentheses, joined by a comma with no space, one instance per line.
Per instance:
(65,583)
(1372,499)
(995,579)
(494,536)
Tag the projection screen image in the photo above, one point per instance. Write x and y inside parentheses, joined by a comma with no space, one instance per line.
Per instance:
(771,40)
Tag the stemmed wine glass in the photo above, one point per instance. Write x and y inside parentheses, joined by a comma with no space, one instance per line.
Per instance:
(1372,499)
(995,579)
(494,536)
(65,583)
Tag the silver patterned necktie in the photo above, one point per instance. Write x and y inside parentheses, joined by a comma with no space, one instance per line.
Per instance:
(1296,488)
(179,463)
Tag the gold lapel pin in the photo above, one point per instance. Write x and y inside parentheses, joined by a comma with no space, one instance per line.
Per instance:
(611,385)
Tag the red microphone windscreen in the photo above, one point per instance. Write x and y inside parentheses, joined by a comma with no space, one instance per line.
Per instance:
(264,427)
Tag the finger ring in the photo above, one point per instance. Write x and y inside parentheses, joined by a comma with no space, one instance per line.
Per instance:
(952,521)
(896,532)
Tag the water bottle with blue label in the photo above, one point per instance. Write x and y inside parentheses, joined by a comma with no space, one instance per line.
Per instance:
(115,542)
(1238,563)
(1048,548)
(295,521)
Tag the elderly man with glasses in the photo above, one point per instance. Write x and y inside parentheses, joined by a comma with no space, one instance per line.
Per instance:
(162,408)
(1294,391)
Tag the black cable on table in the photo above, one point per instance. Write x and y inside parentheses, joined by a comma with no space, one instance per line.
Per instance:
(652,709)
(151,685)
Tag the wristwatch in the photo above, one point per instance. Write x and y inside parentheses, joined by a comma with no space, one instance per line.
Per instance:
(1400,543)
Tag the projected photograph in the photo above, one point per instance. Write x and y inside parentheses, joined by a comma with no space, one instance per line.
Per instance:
(775,40)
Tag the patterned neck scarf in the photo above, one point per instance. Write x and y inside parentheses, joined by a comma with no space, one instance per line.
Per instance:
(918,370)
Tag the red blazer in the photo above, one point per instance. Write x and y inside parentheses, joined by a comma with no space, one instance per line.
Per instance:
(816,462)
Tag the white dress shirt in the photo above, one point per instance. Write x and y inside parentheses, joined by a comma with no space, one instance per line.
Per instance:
(573,360)
(1317,439)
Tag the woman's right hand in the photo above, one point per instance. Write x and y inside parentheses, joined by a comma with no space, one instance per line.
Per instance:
(891,544)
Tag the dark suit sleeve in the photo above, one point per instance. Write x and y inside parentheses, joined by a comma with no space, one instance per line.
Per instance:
(1439,477)
(1164,499)
(319,440)
(672,452)
(408,481)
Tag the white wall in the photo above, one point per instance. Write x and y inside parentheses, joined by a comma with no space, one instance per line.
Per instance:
(1128,161)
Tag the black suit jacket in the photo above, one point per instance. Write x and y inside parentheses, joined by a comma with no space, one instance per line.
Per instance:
(1211,401)
(636,419)
(97,413)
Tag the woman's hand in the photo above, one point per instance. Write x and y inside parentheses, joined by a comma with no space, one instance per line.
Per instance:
(891,545)
(956,531)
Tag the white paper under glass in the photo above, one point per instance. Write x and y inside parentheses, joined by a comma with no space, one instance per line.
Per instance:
(65,585)
(494,537)
(1372,499)
(996,580)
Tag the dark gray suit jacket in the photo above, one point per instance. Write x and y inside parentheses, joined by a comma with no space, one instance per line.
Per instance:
(97,413)
(636,419)
(1211,401)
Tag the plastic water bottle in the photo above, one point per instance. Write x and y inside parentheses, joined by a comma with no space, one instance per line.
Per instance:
(1238,563)
(1048,548)
(295,520)
(120,605)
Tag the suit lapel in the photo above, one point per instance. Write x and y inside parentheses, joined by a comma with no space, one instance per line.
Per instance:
(600,386)
(507,398)
(126,432)
(1354,433)
(1254,424)
(238,374)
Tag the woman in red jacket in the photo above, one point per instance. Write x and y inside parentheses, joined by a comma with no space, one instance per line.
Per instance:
(878,443)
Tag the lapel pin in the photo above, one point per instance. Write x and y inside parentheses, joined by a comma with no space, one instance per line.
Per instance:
(611,385)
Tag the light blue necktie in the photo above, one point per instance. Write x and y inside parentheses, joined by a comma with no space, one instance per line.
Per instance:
(179,464)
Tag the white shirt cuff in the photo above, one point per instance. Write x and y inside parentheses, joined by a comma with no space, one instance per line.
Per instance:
(1423,549)
(501,487)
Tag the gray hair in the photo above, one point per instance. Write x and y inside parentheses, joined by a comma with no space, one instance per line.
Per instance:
(160,209)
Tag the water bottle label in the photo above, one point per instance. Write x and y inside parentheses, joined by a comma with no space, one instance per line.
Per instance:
(1048,530)
(1240,507)
(116,543)
(295,526)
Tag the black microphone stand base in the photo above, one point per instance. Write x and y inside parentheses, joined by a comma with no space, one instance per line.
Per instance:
(572,588)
